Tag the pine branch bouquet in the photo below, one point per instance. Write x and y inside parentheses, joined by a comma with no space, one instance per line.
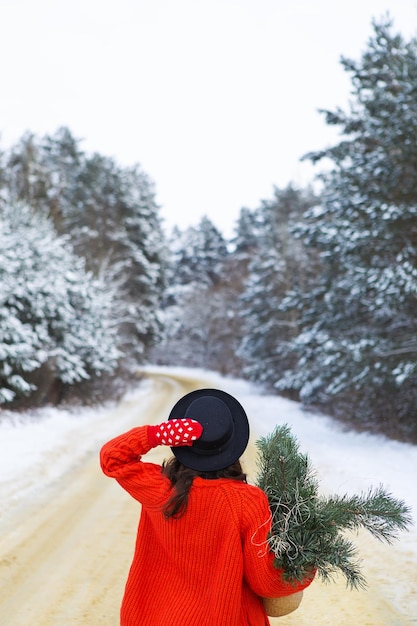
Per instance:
(307,527)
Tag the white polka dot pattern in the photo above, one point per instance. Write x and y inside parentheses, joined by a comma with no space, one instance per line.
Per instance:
(175,432)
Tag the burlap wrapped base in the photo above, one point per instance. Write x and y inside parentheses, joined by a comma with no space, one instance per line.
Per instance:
(276,607)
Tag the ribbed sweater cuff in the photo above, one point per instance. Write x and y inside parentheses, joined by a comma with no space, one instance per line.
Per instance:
(124,450)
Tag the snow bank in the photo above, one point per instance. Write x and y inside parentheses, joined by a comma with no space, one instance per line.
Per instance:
(37,448)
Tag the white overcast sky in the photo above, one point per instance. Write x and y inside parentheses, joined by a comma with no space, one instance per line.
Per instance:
(216,99)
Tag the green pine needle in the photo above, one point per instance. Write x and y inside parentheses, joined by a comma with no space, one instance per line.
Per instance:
(307,528)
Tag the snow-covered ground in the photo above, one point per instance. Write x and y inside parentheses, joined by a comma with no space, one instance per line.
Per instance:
(36,450)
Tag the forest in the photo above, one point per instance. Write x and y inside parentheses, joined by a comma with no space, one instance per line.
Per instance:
(313,297)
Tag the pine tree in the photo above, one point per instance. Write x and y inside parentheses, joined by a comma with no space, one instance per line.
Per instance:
(111,217)
(356,349)
(279,264)
(246,238)
(308,528)
(63,161)
(56,325)
(26,178)
(199,321)
(197,254)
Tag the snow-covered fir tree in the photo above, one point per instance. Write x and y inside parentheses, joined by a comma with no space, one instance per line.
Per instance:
(111,216)
(25,178)
(197,254)
(246,237)
(56,321)
(279,263)
(357,349)
(198,319)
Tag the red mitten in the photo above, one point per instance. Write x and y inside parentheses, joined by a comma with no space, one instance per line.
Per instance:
(176,432)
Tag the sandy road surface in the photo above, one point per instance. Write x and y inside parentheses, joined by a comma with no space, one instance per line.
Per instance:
(65,553)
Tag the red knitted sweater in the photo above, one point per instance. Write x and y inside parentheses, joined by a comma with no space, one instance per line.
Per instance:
(207,568)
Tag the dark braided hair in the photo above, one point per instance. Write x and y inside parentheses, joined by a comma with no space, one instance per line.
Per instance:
(182,477)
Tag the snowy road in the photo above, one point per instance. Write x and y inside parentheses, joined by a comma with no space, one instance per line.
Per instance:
(65,549)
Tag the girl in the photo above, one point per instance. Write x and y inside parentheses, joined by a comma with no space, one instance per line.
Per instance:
(201,557)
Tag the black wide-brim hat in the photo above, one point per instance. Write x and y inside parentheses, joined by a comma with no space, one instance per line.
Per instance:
(225,429)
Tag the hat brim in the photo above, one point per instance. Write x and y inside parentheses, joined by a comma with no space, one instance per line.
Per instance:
(191,456)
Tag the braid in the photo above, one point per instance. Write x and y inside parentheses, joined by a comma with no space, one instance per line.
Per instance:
(182,477)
